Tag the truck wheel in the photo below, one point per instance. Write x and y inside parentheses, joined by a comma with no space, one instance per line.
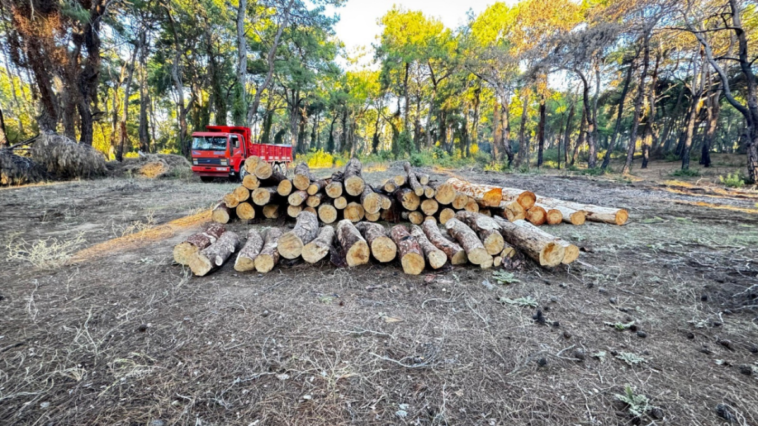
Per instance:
(242,172)
(206,179)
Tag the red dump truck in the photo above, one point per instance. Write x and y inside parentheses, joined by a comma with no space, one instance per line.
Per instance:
(220,152)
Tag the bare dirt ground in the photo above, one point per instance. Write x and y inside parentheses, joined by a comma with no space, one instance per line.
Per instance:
(126,338)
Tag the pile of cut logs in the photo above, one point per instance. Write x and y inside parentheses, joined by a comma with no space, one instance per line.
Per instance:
(483,225)
(410,197)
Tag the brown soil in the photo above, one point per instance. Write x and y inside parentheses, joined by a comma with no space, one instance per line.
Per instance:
(127,338)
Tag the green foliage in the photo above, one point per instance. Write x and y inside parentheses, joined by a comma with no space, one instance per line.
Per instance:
(630,358)
(638,405)
(524,302)
(503,277)
(686,173)
(733,180)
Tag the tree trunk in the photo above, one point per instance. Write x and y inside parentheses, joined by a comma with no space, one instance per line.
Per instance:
(619,115)
(580,138)
(246,258)
(306,229)
(714,109)
(3,134)
(697,92)
(382,247)
(638,101)
(317,249)
(523,144)
(411,256)
(241,91)
(541,132)
(212,257)
(567,135)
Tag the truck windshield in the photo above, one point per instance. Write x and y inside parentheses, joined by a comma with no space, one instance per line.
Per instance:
(209,143)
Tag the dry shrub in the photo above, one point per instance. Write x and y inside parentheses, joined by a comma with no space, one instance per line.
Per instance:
(18,170)
(49,253)
(154,166)
(66,159)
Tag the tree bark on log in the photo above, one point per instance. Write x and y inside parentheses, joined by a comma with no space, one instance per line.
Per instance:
(274,180)
(317,249)
(306,229)
(411,256)
(354,247)
(370,200)
(354,182)
(213,256)
(592,213)
(246,258)
(303,177)
(467,238)
(269,255)
(382,247)
(184,251)
(317,186)
(487,195)
(436,257)
(413,182)
(245,211)
(221,213)
(535,243)
(486,228)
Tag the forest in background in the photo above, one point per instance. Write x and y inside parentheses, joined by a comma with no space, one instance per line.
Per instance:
(540,83)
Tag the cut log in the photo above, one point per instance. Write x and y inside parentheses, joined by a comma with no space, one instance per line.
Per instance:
(552,216)
(250,164)
(487,195)
(411,255)
(334,189)
(246,258)
(213,256)
(373,217)
(184,251)
(382,247)
(251,182)
(444,193)
(486,212)
(353,245)
(416,217)
(508,252)
(467,238)
(264,195)
(389,186)
(399,180)
(486,228)
(429,192)
(263,170)
(269,255)
(386,202)
(311,210)
(303,177)
(472,205)
(537,216)
(317,249)
(423,179)
(274,180)
(306,229)
(453,251)
(525,198)
(314,200)
(370,200)
(230,200)
(284,188)
(326,212)
(245,211)
(497,262)
(354,212)
(487,264)
(317,186)
(571,252)
(392,214)
(413,182)
(535,243)
(513,211)
(429,207)
(446,214)
(297,198)
(460,200)
(434,256)
(592,213)
(221,213)
(293,211)
(409,200)
(574,217)
(271,211)
(340,203)
(354,183)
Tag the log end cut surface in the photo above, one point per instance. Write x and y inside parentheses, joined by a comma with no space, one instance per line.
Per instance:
(413,263)
(384,249)
(358,254)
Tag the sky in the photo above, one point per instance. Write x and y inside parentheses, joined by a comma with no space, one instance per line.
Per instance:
(358,24)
